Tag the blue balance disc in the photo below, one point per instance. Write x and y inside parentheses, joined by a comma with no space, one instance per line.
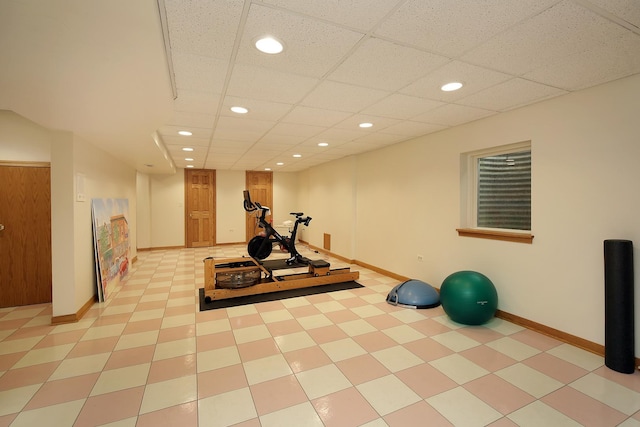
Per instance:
(414,294)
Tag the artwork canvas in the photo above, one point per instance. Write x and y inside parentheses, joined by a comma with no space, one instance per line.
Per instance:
(111,242)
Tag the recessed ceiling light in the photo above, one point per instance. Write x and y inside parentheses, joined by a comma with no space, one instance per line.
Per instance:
(297,156)
(189,166)
(267,169)
(365,125)
(187,149)
(449,87)
(269,45)
(323,144)
(188,159)
(239,110)
(185,133)
(279,164)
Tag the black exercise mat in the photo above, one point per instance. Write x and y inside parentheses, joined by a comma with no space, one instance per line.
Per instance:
(274,296)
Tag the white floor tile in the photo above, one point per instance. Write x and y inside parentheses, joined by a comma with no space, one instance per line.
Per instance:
(295,341)
(397,358)
(302,415)
(218,358)
(354,328)
(342,349)
(266,368)
(121,378)
(388,394)
(170,349)
(276,316)
(403,334)
(44,355)
(107,331)
(577,356)
(63,414)
(618,397)
(458,368)
(533,382)
(226,409)
(251,334)
(80,366)
(537,414)
(314,321)
(137,340)
(455,341)
(139,316)
(180,320)
(169,393)
(322,381)
(514,349)
(463,409)
(13,400)
(212,327)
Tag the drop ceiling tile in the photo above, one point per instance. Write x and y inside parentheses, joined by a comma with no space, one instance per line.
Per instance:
(269,85)
(558,32)
(241,129)
(625,10)
(609,61)
(379,123)
(230,147)
(206,28)
(172,131)
(473,77)
(380,138)
(312,47)
(299,130)
(453,115)
(199,73)
(188,120)
(510,94)
(360,14)
(375,60)
(197,101)
(401,106)
(281,139)
(258,109)
(342,97)
(451,28)
(191,142)
(315,116)
(337,136)
(410,128)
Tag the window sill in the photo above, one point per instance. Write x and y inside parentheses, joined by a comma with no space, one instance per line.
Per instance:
(508,236)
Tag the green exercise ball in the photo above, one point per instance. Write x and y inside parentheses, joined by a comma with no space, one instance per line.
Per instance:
(469,297)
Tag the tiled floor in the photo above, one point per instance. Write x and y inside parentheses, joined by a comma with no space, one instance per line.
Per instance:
(148,357)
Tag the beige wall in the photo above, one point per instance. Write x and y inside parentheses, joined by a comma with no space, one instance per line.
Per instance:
(73,263)
(585,152)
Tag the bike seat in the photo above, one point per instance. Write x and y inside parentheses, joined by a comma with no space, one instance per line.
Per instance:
(296,213)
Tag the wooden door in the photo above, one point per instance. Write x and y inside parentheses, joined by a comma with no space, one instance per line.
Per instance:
(25,238)
(260,186)
(200,216)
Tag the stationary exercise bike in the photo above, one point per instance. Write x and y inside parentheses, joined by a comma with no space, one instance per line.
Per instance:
(260,246)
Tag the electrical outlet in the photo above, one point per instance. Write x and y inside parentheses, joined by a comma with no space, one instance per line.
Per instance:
(420,258)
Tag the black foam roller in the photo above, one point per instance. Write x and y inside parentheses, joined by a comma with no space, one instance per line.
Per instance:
(619,342)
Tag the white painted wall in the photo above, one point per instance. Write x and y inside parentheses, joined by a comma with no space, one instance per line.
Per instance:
(167,210)
(585,171)
(328,194)
(143,212)
(230,214)
(23,140)
(73,262)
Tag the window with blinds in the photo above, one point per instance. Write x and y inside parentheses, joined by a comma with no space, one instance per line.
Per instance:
(504,190)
